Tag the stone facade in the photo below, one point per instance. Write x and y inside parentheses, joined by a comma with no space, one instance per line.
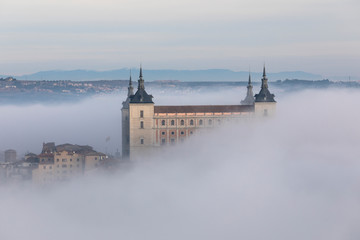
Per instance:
(63,162)
(145,127)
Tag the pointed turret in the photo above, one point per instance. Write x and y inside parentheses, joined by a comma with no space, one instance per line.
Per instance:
(249,99)
(141,96)
(264,72)
(130,88)
(141,84)
(264,94)
(140,75)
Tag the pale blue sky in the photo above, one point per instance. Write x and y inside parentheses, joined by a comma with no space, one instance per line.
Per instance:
(319,36)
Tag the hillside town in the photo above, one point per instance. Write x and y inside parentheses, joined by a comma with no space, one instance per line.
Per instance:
(55,163)
(18,91)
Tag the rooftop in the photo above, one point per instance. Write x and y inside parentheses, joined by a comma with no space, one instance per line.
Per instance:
(204,108)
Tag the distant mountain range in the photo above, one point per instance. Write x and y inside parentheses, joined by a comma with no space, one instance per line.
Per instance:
(153,75)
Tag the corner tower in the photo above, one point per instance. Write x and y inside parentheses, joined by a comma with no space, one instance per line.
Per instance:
(141,117)
(125,121)
(265,104)
(249,99)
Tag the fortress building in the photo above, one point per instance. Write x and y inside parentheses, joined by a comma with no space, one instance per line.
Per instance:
(145,127)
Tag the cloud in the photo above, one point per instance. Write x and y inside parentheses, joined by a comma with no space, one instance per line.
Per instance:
(292,177)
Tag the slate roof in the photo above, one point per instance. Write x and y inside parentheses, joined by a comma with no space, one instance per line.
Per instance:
(264,96)
(141,96)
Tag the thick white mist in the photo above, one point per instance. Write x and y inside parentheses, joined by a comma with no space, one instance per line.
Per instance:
(293,177)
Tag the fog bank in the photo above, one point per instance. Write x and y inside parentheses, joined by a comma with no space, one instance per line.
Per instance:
(292,177)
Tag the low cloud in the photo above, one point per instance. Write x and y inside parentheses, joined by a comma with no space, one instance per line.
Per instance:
(292,177)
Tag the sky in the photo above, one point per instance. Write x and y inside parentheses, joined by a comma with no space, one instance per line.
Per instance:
(295,176)
(319,36)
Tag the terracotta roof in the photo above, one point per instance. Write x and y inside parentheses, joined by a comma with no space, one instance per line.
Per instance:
(204,108)
(95,154)
(73,148)
(46,155)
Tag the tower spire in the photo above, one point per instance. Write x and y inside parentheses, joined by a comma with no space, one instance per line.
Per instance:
(264,72)
(264,80)
(264,95)
(141,74)
(130,88)
(249,99)
(141,84)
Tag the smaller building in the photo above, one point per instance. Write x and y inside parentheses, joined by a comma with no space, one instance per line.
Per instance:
(16,172)
(64,162)
(10,155)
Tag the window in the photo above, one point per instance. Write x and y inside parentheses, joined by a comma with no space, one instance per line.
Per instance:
(44,167)
(78,160)
(162,133)
(43,160)
(172,140)
(191,122)
(265,112)
(163,122)
(141,124)
(70,159)
(191,132)
(210,121)
(182,132)
(163,141)
(50,167)
(141,141)
(141,113)
(172,133)
(182,122)
(200,122)
(64,166)
(172,122)
(63,160)
(95,158)
(57,159)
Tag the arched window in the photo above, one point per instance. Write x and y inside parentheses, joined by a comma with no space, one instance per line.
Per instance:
(141,124)
(172,122)
(163,122)
(191,122)
(200,122)
(182,122)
